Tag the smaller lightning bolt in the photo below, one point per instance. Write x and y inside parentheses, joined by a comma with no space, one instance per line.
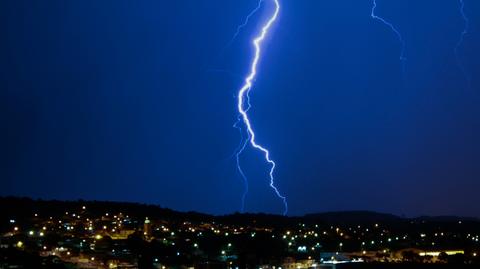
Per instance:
(241,26)
(247,19)
(239,151)
(403,59)
(460,41)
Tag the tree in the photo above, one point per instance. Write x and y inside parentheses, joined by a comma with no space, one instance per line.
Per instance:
(410,256)
(443,257)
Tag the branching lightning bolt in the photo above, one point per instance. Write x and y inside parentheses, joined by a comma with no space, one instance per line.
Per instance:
(460,41)
(243,98)
(403,59)
(247,19)
(239,151)
(243,25)
(243,140)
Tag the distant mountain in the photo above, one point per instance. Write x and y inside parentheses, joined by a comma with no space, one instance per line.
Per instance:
(446,218)
(15,207)
(26,207)
(353,217)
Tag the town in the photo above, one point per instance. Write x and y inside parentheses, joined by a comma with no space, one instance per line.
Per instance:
(85,234)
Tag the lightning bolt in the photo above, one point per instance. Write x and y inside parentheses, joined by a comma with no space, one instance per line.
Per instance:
(403,59)
(460,41)
(243,97)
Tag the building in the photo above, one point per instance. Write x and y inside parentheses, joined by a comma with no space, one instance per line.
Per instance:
(147,228)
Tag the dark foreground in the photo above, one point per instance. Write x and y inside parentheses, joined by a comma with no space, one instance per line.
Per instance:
(406,266)
(91,234)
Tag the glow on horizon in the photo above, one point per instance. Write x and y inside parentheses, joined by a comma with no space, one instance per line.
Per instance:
(243,95)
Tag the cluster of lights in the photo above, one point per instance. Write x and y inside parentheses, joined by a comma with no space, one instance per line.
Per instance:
(303,239)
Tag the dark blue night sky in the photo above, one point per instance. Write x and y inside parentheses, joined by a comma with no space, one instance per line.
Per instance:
(135,101)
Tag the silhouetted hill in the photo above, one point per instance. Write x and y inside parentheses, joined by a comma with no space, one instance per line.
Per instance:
(352,217)
(446,218)
(25,207)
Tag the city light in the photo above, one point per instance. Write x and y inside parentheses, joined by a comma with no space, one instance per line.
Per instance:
(369,243)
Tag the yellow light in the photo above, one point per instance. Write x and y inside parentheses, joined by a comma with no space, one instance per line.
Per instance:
(437,253)
(19,244)
(98,236)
